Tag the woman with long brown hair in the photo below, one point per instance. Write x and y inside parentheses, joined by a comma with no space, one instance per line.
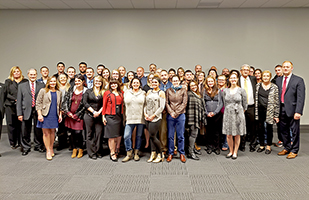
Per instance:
(13,124)
(213,106)
(195,116)
(48,106)
(112,117)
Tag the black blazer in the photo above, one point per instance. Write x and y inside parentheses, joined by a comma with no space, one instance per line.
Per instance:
(253,83)
(2,96)
(11,92)
(90,100)
(294,97)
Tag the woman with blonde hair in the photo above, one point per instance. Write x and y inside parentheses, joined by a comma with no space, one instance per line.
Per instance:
(266,110)
(48,106)
(93,101)
(13,124)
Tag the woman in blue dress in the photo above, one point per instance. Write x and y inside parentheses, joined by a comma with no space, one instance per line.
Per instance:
(48,104)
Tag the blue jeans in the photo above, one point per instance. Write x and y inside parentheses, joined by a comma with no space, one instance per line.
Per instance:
(178,124)
(128,134)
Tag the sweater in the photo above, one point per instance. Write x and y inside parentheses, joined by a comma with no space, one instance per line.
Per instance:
(134,106)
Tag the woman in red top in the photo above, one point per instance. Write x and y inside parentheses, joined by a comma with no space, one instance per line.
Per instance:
(112,117)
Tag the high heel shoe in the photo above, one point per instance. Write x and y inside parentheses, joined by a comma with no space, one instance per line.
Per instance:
(229,155)
(48,157)
(159,158)
(113,159)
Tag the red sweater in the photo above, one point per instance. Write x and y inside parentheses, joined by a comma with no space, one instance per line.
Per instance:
(109,103)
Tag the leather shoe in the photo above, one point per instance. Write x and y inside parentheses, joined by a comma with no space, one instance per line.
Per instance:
(217,151)
(268,151)
(283,152)
(183,158)
(169,158)
(193,156)
(260,150)
(252,149)
(291,155)
(25,153)
(94,157)
(198,152)
(209,151)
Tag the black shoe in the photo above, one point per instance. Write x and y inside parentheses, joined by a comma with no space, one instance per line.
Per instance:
(234,157)
(267,151)
(209,151)
(99,155)
(229,155)
(243,149)
(260,150)
(193,156)
(217,151)
(36,148)
(252,149)
(15,146)
(94,157)
(198,152)
(25,153)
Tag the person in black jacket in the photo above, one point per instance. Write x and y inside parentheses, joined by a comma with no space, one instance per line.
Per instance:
(2,95)
(13,124)
(93,101)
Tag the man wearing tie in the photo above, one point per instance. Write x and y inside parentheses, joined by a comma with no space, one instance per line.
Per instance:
(249,84)
(25,107)
(292,99)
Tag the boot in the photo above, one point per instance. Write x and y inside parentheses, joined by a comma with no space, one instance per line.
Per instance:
(80,153)
(128,157)
(152,156)
(74,153)
(136,157)
(159,158)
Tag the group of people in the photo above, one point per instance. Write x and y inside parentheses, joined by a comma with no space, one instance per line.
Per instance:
(170,108)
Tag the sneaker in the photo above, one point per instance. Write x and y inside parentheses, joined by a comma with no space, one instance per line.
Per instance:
(279,144)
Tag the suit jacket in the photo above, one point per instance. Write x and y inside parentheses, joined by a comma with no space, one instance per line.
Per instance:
(11,92)
(294,97)
(253,83)
(24,99)
(43,101)
(2,96)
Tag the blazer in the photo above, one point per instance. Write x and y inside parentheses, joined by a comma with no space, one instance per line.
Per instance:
(109,103)
(24,98)
(11,92)
(43,101)
(272,110)
(90,100)
(294,97)
(2,98)
(253,83)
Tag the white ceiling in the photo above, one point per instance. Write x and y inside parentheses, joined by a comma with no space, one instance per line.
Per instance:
(150,4)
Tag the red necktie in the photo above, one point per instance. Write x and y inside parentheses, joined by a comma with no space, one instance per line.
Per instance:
(283,89)
(33,94)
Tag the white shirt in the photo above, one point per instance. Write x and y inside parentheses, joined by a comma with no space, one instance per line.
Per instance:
(250,89)
(287,80)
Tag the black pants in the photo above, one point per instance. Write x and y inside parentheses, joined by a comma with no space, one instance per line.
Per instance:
(94,130)
(285,125)
(261,128)
(77,138)
(153,129)
(192,137)
(213,130)
(250,126)
(62,135)
(13,125)
(26,126)
(1,120)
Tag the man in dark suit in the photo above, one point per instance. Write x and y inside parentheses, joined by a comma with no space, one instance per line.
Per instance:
(25,107)
(2,95)
(249,84)
(292,99)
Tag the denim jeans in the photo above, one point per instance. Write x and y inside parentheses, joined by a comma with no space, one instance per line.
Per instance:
(128,134)
(178,124)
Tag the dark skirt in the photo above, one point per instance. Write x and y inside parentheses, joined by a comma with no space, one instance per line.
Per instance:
(114,125)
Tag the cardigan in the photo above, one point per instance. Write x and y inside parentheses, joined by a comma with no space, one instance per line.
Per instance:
(109,103)
(43,101)
(66,104)
(195,111)
(273,107)
(134,106)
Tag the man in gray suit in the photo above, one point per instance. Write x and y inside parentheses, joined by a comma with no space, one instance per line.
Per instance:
(25,107)
(292,100)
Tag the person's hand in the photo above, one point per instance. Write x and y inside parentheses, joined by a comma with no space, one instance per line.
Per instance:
(297,116)
(20,118)
(104,121)
(151,118)
(96,114)
(70,114)
(211,114)
(40,118)
(146,117)
(276,120)
(60,119)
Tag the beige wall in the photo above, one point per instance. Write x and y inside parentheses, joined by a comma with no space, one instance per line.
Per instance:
(170,38)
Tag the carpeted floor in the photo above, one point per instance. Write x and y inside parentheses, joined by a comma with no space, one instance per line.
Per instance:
(251,176)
